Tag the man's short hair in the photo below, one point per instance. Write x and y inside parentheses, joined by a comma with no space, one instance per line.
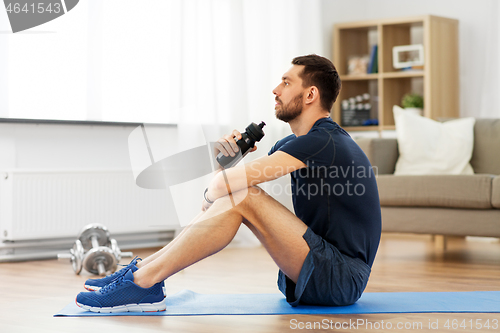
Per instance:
(321,73)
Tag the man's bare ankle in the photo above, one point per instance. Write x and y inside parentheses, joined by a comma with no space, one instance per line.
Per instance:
(141,282)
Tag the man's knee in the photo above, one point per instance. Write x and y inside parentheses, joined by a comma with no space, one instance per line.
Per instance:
(253,193)
(251,199)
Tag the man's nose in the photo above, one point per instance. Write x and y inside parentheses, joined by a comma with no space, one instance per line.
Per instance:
(275,91)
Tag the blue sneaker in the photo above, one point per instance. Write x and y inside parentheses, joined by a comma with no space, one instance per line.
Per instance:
(123,295)
(96,284)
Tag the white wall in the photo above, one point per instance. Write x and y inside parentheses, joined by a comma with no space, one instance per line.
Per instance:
(479,39)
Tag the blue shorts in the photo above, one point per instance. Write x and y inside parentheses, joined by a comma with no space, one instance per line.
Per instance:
(327,277)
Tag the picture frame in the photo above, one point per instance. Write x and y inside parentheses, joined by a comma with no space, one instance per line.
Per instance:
(357,65)
(405,56)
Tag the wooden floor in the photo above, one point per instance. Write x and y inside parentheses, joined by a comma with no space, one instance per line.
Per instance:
(32,292)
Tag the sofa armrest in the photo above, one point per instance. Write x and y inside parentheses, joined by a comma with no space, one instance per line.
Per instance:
(495,193)
(383,153)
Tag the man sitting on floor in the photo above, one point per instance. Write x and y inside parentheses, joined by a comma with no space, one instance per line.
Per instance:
(324,252)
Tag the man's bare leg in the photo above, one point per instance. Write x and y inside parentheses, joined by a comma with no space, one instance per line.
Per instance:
(277,228)
(158,253)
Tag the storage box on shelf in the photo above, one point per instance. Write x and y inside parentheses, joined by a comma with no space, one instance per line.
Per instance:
(437,81)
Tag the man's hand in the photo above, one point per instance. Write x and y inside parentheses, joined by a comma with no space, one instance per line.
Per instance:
(227,144)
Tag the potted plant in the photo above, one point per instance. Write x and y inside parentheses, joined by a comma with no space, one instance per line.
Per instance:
(413,103)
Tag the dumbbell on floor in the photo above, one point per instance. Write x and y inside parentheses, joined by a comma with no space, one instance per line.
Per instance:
(75,256)
(95,251)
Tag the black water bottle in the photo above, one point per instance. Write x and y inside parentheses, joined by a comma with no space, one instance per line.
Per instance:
(253,133)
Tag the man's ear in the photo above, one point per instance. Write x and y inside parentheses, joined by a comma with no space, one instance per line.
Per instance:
(312,95)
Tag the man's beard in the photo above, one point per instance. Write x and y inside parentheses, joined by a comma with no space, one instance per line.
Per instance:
(291,110)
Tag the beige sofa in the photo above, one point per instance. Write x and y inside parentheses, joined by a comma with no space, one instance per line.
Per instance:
(465,205)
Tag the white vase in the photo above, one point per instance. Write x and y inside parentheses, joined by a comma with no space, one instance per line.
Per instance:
(417,111)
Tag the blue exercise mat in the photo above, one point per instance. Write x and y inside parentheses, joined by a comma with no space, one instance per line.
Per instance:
(188,303)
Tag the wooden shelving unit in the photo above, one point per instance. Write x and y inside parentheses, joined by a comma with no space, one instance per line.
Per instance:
(438,82)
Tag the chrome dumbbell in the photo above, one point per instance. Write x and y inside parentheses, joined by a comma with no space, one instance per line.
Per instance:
(75,256)
(99,257)
(95,251)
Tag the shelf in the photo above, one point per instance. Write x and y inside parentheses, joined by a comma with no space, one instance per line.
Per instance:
(389,75)
(387,21)
(437,82)
(361,128)
(359,77)
(388,128)
(403,74)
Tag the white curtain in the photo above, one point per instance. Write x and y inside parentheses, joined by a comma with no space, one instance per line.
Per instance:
(213,61)
(158,61)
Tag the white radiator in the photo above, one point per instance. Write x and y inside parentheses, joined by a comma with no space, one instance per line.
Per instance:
(44,204)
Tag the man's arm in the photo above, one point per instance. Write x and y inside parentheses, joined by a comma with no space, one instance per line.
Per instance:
(261,170)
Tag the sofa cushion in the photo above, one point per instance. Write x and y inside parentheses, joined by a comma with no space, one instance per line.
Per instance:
(495,193)
(450,191)
(429,147)
(382,153)
(485,156)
